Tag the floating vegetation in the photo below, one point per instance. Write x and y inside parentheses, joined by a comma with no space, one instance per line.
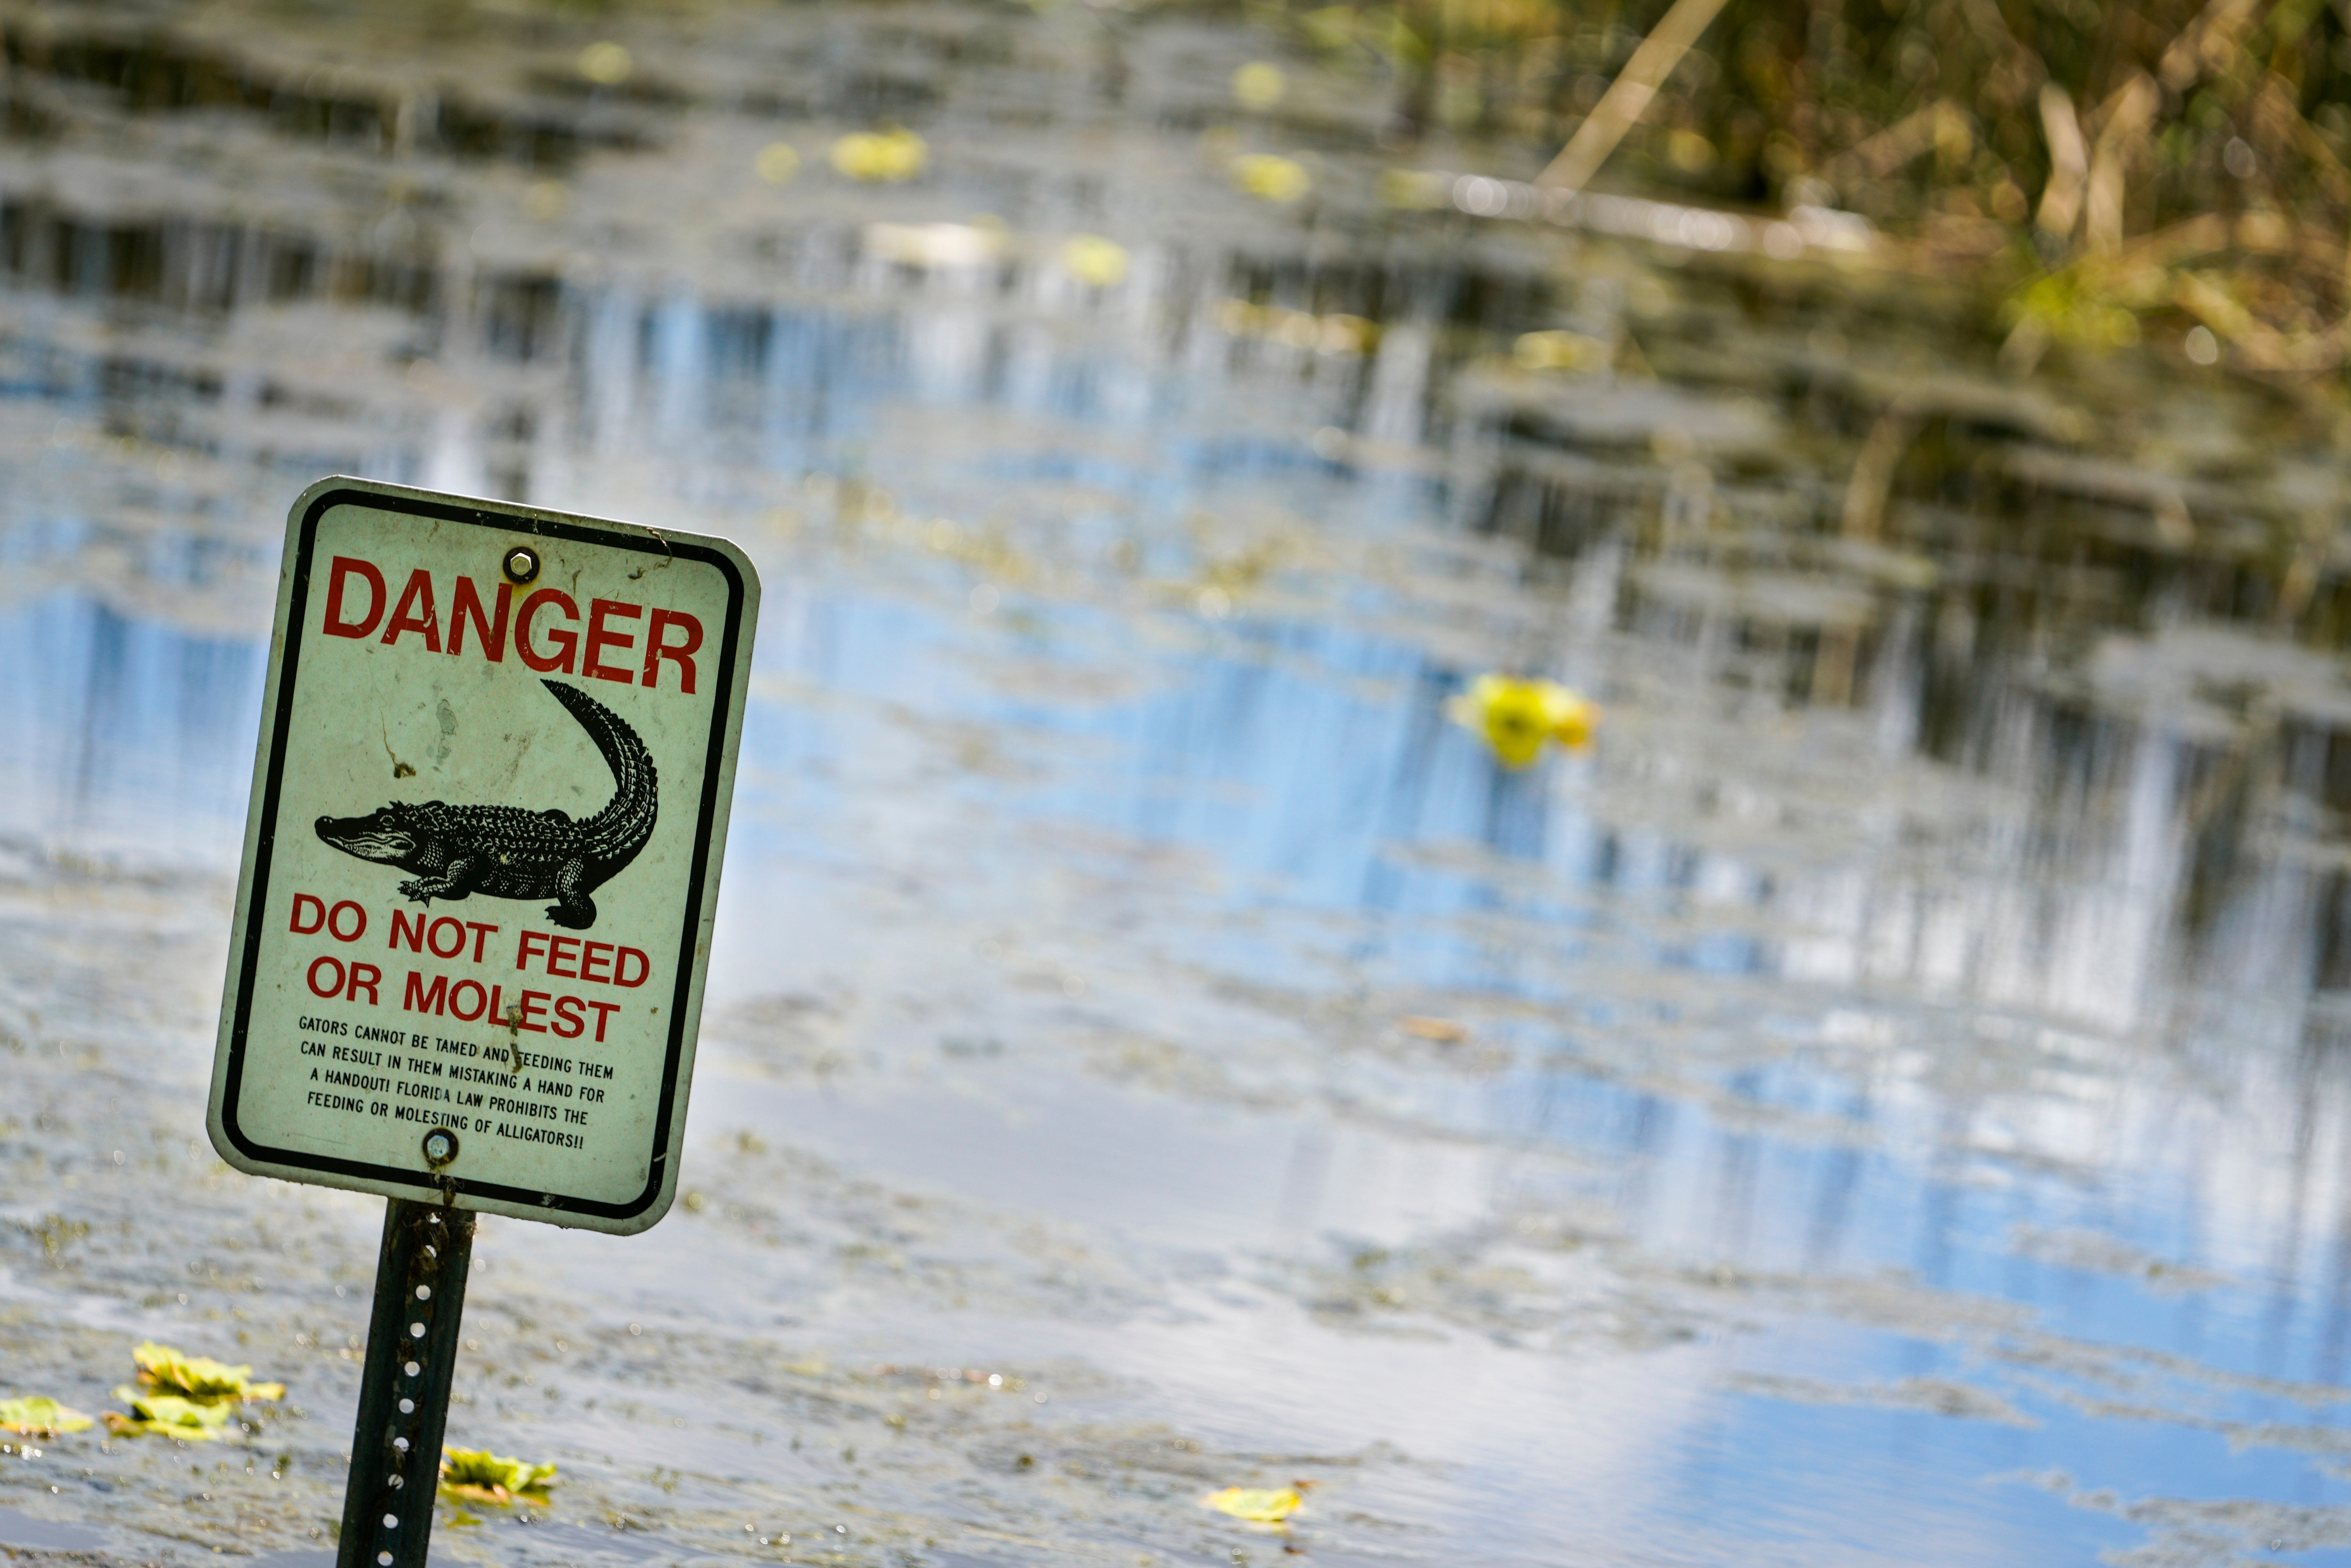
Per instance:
(606,63)
(40,1416)
(169,1416)
(1094,261)
(199,1378)
(476,1475)
(56,1233)
(776,163)
(1414,190)
(1258,84)
(1270,177)
(1518,718)
(1258,1505)
(1338,333)
(880,157)
(194,1398)
(1559,350)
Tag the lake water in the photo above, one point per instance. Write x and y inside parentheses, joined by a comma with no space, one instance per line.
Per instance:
(1886,1100)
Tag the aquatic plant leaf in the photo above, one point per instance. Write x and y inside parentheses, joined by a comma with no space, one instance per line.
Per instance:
(40,1416)
(169,1416)
(1517,717)
(1094,261)
(1559,350)
(606,63)
(880,157)
(776,163)
(1414,189)
(1258,84)
(1270,178)
(476,1475)
(200,1378)
(1258,1505)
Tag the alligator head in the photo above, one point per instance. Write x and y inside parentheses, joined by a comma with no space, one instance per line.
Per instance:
(387,835)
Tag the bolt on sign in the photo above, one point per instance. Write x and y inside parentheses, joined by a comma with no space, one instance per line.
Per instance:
(498,751)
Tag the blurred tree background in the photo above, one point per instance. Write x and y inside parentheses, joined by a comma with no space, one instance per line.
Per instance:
(2100,167)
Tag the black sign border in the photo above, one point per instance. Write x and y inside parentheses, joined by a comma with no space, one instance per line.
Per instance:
(542,525)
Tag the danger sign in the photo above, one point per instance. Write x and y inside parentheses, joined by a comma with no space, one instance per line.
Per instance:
(497,749)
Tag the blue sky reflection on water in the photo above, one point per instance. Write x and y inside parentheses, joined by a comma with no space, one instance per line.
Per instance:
(1299,790)
(1883,1103)
(1268,752)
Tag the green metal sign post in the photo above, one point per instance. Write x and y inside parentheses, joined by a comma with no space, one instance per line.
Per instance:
(412,1354)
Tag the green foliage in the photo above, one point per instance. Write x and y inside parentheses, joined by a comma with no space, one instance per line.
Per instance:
(476,1475)
(169,1416)
(200,1378)
(2031,145)
(40,1416)
(194,1398)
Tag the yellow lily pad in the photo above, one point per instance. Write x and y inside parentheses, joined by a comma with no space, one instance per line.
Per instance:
(476,1475)
(1094,261)
(1258,84)
(169,1416)
(192,1397)
(880,157)
(164,1370)
(40,1416)
(1260,1505)
(606,63)
(1270,178)
(776,163)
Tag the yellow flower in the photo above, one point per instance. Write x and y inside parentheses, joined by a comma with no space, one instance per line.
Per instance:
(1517,716)
(1269,178)
(1258,1505)
(880,157)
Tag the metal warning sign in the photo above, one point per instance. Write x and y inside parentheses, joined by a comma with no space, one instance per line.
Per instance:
(497,749)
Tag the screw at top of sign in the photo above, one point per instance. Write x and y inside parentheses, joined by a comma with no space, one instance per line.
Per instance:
(521,565)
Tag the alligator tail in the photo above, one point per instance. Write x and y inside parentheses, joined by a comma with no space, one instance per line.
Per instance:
(617,832)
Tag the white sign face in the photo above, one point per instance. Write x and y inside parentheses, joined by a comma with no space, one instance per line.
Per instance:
(497,749)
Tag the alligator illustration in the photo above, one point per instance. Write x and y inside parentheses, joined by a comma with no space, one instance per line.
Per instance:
(507,851)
